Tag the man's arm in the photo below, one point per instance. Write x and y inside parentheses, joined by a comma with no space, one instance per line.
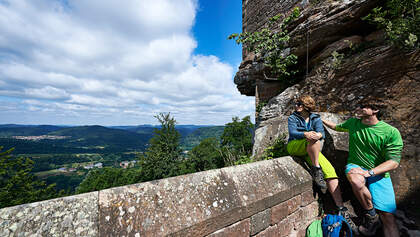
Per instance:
(385,167)
(380,169)
(329,124)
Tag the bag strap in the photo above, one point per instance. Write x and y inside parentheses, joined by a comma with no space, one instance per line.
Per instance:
(334,225)
(348,228)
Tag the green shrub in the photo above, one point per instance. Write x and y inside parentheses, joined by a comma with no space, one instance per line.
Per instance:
(260,106)
(401,21)
(278,149)
(272,45)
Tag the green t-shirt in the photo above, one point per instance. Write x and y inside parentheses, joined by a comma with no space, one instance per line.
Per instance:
(370,146)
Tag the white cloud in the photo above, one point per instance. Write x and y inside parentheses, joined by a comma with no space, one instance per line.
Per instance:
(47,92)
(124,61)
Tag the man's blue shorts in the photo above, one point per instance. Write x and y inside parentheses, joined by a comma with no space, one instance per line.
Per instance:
(383,196)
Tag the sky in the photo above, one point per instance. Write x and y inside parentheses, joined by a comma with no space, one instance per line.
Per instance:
(111,62)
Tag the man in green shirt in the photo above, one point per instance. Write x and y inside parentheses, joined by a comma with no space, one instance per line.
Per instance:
(374,150)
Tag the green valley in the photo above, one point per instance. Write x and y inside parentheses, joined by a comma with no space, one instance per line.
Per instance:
(64,155)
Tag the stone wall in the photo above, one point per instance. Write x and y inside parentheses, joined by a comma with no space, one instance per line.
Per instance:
(266,198)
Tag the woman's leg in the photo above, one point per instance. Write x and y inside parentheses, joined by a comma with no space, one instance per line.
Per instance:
(313,149)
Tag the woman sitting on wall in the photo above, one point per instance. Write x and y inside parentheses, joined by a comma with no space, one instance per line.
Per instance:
(305,134)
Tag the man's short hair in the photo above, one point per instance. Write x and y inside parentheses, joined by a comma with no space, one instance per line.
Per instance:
(372,104)
(307,101)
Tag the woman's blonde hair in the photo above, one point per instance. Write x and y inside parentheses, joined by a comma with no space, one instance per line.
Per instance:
(307,101)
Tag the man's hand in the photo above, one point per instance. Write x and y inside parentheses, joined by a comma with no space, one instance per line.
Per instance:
(329,124)
(360,171)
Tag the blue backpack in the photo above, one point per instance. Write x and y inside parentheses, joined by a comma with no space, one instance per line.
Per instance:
(331,226)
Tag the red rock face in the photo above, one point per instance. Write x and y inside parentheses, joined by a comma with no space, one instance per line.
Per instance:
(367,67)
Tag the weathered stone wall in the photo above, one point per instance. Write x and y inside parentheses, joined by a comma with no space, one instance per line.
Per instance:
(69,216)
(255,13)
(267,198)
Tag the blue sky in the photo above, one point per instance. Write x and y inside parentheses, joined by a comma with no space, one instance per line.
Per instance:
(215,21)
(109,62)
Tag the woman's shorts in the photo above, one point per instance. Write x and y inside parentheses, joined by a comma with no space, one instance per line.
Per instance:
(380,187)
(298,148)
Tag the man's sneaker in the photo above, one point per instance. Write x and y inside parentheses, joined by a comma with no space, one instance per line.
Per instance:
(370,225)
(344,212)
(318,177)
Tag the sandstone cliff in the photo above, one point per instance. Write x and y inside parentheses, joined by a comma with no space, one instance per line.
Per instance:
(366,66)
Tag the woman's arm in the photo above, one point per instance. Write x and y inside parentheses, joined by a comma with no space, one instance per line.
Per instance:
(293,132)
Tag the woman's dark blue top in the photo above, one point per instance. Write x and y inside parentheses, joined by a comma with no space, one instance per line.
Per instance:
(297,125)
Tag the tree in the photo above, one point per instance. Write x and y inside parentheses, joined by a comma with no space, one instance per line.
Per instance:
(207,155)
(161,160)
(17,184)
(237,139)
(108,177)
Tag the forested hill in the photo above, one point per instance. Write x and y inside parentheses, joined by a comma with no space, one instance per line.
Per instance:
(103,136)
(26,139)
(7,130)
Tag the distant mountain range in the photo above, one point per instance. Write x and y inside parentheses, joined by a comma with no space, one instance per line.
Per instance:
(98,139)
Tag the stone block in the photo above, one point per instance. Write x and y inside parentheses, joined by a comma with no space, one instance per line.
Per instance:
(260,221)
(293,204)
(282,210)
(278,212)
(296,219)
(271,231)
(311,211)
(238,229)
(308,197)
(265,182)
(285,227)
(68,216)
(207,201)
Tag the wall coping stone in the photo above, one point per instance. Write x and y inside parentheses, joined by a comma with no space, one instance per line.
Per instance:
(67,216)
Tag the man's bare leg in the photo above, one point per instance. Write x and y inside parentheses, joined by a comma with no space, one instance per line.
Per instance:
(335,191)
(358,184)
(389,224)
(371,221)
